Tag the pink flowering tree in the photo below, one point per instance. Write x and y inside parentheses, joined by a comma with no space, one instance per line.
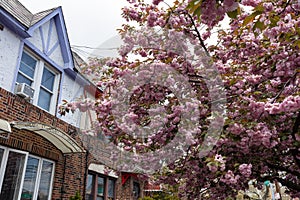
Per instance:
(251,132)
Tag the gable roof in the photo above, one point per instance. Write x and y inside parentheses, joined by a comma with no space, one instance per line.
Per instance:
(40,15)
(22,14)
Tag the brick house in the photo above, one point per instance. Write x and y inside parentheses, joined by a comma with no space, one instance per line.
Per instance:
(42,156)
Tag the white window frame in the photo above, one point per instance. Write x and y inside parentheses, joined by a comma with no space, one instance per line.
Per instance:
(106,178)
(38,178)
(4,162)
(37,81)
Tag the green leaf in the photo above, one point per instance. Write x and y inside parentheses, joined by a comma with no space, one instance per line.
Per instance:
(251,17)
(274,20)
(234,14)
(259,8)
(197,11)
(260,25)
(297,43)
(248,19)
(194,7)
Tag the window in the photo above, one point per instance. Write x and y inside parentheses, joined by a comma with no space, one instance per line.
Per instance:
(100,187)
(136,190)
(24,177)
(42,78)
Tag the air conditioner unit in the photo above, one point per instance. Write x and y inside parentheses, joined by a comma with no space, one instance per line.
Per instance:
(24,90)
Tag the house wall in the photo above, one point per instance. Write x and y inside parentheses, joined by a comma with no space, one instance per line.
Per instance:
(125,191)
(69,168)
(9,51)
(71,91)
(45,39)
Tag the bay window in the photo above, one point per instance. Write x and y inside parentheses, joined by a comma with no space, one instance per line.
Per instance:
(100,187)
(43,78)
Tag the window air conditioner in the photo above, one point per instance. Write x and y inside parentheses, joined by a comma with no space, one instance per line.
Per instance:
(24,90)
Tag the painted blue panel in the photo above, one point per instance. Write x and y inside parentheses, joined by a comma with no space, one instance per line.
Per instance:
(53,48)
(64,44)
(57,15)
(49,35)
(43,21)
(43,40)
(43,55)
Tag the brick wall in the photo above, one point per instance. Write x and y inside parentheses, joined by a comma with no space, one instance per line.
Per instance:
(125,191)
(70,169)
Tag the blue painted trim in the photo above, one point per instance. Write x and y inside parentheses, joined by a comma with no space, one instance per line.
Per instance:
(43,55)
(43,21)
(49,35)
(14,25)
(43,40)
(62,79)
(63,39)
(77,77)
(61,29)
(52,49)
(17,66)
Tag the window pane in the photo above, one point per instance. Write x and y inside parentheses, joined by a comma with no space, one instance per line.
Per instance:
(1,156)
(23,79)
(45,181)
(111,189)
(89,184)
(48,79)
(100,190)
(13,176)
(30,179)
(136,190)
(27,65)
(44,99)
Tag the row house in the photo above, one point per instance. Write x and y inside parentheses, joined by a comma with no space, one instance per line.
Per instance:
(42,154)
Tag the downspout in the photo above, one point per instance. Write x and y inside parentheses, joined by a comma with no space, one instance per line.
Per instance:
(63,182)
(85,172)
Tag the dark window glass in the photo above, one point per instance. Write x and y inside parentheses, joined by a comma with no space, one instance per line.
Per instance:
(23,79)
(89,187)
(13,176)
(30,178)
(48,79)
(45,181)
(111,189)
(100,186)
(136,190)
(44,99)
(27,65)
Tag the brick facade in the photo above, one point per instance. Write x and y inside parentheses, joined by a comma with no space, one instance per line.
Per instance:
(70,169)
(125,189)
(69,175)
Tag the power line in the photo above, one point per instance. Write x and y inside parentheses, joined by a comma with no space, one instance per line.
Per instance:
(94,48)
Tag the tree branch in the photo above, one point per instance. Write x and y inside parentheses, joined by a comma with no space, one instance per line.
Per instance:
(294,131)
(198,34)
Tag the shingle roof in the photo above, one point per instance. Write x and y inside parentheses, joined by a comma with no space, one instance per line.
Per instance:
(40,15)
(22,14)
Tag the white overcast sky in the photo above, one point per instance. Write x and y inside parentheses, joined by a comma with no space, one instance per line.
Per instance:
(89,22)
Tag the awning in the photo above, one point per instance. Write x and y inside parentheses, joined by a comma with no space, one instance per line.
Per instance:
(101,170)
(150,187)
(5,129)
(60,139)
